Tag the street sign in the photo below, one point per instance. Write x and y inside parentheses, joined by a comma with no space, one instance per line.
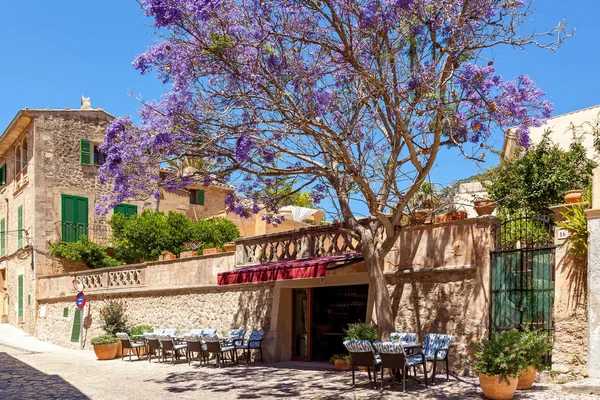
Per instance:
(80,300)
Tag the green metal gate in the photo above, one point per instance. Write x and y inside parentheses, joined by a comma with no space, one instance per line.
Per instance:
(522,275)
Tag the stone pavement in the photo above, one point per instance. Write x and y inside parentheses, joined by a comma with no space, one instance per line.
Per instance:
(72,374)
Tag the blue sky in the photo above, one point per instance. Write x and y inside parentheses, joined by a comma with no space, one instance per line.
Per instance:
(55,51)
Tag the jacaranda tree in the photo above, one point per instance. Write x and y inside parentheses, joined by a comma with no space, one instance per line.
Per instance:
(353,98)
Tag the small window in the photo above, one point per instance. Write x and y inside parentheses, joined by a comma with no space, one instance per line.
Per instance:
(3,175)
(99,156)
(197,197)
(29,299)
(89,153)
(126,209)
(66,312)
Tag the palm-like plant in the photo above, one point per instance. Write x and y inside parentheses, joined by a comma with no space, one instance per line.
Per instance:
(426,197)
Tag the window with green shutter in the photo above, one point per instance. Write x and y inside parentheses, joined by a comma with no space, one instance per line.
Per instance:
(28,299)
(74,217)
(66,312)
(126,209)
(3,175)
(2,237)
(75,332)
(20,227)
(20,297)
(197,197)
(85,152)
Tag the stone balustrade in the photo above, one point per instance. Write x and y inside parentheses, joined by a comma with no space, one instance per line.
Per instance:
(110,278)
(327,240)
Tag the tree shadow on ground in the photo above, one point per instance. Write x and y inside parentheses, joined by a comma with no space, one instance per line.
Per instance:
(306,381)
(23,382)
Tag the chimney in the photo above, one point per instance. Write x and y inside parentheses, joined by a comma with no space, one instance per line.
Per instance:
(86,103)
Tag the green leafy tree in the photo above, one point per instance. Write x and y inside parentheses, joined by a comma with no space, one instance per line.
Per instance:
(539,177)
(144,236)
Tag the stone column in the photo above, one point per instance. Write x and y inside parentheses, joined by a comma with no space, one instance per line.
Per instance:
(593,279)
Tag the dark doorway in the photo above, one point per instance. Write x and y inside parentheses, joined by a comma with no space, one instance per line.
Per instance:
(333,309)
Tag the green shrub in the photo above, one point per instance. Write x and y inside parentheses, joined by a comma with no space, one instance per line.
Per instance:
(144,236)
(502,355)
(112,316)
(362,331)
(104,339)
(535,346)
(139,330)
(345,357)
(84,251)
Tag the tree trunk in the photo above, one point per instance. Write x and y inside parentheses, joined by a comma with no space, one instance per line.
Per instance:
(383,304)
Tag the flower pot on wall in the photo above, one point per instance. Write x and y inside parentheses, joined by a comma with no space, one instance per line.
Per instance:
(496,389)
(229,246)
(213,250)
(484,207)
(424,216)
(106,351)
(526,379)
(574,196)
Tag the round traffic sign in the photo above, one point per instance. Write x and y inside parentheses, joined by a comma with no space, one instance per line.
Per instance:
(80,300)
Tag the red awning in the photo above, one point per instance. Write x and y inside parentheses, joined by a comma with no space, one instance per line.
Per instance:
(282,270)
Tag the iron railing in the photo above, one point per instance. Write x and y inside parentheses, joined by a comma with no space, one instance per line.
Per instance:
(70,232)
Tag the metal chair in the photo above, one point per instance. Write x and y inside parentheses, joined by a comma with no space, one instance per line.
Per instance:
(254,342)
(362,355)
(404,337)
(394,357)
(152,346)
(437,348)
(195,345)
(236,336)
(169,346)
(129,345)
(214,346)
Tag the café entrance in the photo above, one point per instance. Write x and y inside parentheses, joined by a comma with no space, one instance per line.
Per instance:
(320,316)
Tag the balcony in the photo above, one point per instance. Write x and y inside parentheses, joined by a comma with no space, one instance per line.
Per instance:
(70,232)
(320,241)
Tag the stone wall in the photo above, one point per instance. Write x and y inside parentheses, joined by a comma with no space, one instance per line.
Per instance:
(220,308)
(569,362)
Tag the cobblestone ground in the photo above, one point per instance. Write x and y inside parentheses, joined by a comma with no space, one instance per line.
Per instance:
(71,374)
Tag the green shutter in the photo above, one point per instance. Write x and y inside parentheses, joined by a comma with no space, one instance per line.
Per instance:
(20,297)
(20,227)
(126,209)
(74,217)
(66,312)
(85,152)
(28,299)
(76,326)
(3,175)
(2,237)
(200,197)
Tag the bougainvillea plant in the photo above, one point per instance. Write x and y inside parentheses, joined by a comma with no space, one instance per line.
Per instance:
(353,98)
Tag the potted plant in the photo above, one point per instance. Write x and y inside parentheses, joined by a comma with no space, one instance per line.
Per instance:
(105,347)
(499,362)
(229,246)
(424,201)
(113,319)
(574,196)
(451,215)
(534,346)
(341,361)
(484,206)
(362,331)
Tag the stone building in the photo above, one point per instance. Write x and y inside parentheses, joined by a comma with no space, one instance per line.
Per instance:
(49,186)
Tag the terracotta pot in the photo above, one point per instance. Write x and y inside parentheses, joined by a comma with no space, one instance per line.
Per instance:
(106,351)
(229,246)
(342,365)
(213,250)
(119,349)
(484,207)
(574,196)
(526,379)
(495,390)
(424,216)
